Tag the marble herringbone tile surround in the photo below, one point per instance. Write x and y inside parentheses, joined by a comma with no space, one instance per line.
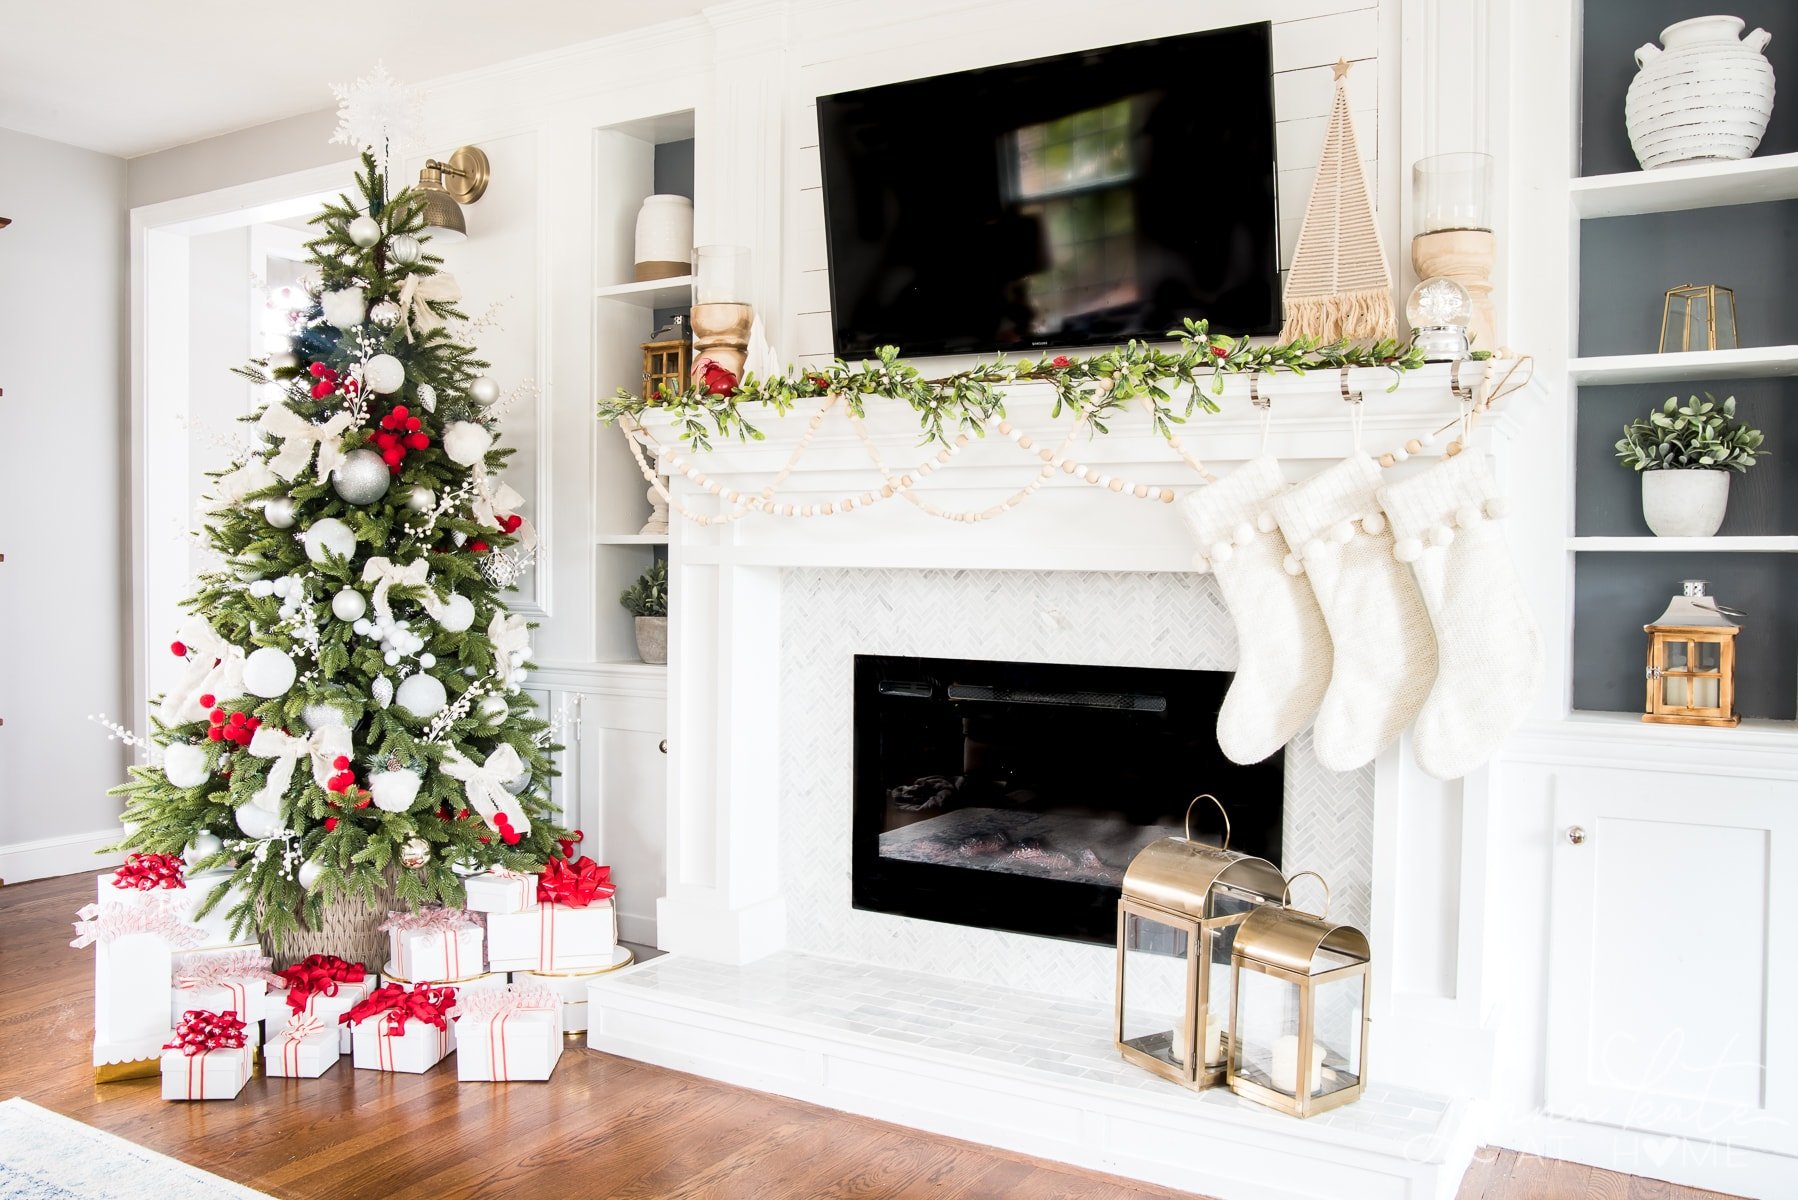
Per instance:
(1150,620)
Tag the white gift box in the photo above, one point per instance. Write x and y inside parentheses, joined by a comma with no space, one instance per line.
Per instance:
(552,937)
(302,1057)
(242,992)
(328,1009)
(215,926)
(132,974)
(210,1075)
(571,986)
(415,1050)
(525,1043)
(442,954)
(490,893)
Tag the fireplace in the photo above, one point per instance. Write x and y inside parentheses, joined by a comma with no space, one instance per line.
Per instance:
(1012,796)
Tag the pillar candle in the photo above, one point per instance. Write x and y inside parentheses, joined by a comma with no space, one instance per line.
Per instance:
(1285,1069)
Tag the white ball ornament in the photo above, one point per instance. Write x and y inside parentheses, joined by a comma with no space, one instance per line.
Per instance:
(421,695)
(483,391)
(364,231)
(257,822)
(421,499)
(493,709)
(309,873)
(391,658)
(262,589)
(466,443)
(393,791)
(185,765)
(361,627)
(278,512)
(346,308)
(203,845)
(518,784)
(404,249)
(269,672)
(427,661)
(384,374)
(349,605)
(458,614)
(317,716)
(327,537)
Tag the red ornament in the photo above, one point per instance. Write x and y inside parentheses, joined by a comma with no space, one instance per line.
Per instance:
(178,649)
(511,522)
(393,457)
(477,547)
(206,700)
(401,412)
(717,380)
(323,388)
(1062,360)
(316,369)
(254,724)
(341,762)
(330,824)
(501,820)
(510,837)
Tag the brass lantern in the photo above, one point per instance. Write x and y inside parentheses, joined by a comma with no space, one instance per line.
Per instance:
(1298,1011)
(1182,904)
(1692,661)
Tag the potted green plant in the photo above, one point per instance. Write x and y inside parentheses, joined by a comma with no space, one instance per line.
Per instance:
(1685,453)
(647,601)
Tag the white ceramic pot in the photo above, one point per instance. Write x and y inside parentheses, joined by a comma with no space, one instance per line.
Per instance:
(1705,93)
(1684,503)
(664,237)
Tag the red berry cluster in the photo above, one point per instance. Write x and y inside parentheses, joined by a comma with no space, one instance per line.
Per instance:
(178,649)
(400,432)
(507,834)
(236,728)
(568,843)
(326,381)
(345,779)
(510,522)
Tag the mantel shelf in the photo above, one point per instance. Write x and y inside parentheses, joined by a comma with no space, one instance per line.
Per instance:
(1694,185)
(1750,362)
(1649,544)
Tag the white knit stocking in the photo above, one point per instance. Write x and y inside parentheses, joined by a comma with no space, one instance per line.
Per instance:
(1489,656)
(1283,662)
(1385,654)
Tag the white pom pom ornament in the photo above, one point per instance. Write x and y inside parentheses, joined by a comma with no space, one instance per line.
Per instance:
(345,309)
(268,672)
(329,536)
(421,695)
(257,822)
(458,614)
(309,873)
(394,791)
(466,443)
(185,765)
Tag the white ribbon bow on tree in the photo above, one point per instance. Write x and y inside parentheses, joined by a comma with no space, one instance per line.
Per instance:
(385,575)
(229,489)
(417,295)
(510,635)
(323,746)
(299,436)
(495,496)
(485,784)
(214,668)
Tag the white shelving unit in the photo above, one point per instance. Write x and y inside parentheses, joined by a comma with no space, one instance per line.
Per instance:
(650,293)
(1687,545)
(631,539)
(1750,362)
(1681,188)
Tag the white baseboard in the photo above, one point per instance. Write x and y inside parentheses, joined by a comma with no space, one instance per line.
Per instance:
(1713,1166)
(71,854)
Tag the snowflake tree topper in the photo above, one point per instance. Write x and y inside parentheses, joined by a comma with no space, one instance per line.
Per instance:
(378,114)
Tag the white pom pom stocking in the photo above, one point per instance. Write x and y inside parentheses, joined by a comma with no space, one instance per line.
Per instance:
(1489,656)
(1385,654)
(1284,650)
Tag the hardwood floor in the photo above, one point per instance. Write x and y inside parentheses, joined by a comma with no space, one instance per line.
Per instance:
(602,1127)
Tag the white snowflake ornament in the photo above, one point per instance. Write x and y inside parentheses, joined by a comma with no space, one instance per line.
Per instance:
(378,114)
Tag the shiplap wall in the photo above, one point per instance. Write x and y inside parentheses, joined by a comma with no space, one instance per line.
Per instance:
(845,53)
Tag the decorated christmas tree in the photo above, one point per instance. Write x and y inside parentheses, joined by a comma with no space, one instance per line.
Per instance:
(348,728)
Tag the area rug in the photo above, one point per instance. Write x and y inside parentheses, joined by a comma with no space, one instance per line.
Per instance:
(47,1156)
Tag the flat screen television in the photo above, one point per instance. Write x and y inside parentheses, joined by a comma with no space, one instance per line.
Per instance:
(1071,201)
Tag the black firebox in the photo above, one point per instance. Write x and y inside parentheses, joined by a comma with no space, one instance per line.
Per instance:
(1013,796)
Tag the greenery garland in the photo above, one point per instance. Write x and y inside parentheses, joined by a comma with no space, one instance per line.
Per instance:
(1094,387)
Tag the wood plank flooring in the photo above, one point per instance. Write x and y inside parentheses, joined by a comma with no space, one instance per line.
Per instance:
(602,1127)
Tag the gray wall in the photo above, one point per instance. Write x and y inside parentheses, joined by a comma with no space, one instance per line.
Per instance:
(261,152)
(1614,28)
(673,177)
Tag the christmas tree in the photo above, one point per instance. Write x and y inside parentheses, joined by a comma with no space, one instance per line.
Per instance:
(348,724)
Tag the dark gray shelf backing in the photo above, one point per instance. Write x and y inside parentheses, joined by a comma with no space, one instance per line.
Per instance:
(1628,263)
(1613,30)
(673,177)
(1614,595)
(1608,496)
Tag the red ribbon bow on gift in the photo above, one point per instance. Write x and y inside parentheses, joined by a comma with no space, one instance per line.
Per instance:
(424,1003)
(319,973)
(200,1031)
(147,872)
(575,884)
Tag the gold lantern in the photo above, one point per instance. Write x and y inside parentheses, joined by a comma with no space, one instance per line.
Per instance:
(1182,904)
(667,357)
(1701,304)
(1298,1010)
(1692,661)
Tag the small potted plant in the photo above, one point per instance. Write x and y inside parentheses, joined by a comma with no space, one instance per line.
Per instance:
(647,601)
(1685,453)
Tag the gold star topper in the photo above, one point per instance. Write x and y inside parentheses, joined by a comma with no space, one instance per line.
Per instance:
(1341,68)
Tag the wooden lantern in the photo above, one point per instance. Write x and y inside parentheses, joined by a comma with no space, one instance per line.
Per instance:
(666,362)
(1692,661)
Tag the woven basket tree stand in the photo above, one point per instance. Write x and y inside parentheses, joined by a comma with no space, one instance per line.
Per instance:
(349,927)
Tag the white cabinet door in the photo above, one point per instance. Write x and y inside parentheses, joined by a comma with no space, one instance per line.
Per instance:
(614,788)
(1673,931)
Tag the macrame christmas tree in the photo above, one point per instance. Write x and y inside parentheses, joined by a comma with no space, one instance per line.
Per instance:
(348,722)
(1337,286)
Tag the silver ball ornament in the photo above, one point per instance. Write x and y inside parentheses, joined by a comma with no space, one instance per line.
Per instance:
(483,391)
(517,786)
(421,499)
(309,873)
(404,249)
(279,512)
(364,231)
(385,313)
(384,374)
(361,478)
(415,853)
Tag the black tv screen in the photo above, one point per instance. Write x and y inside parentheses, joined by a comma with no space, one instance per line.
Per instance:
(1070,201)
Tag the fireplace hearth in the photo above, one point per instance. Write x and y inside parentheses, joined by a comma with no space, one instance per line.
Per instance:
(1012,796)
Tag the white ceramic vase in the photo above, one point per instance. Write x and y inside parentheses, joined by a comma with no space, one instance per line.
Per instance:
(1684,503)
(1705,93)
(664,237)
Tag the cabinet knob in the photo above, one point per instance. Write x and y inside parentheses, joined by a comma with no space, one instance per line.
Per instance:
(664,746)
(1576,834)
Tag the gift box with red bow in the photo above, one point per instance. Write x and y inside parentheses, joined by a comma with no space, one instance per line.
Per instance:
(162,879)
(402,1029)
(507,1035)
(209,1057)
(501,891)
(434,945)
(134,947)
(235,980)
(305,1048)
(572,927)
(326,987)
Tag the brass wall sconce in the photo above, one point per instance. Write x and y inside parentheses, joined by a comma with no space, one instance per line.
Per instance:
(446,186)
(1698,302)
